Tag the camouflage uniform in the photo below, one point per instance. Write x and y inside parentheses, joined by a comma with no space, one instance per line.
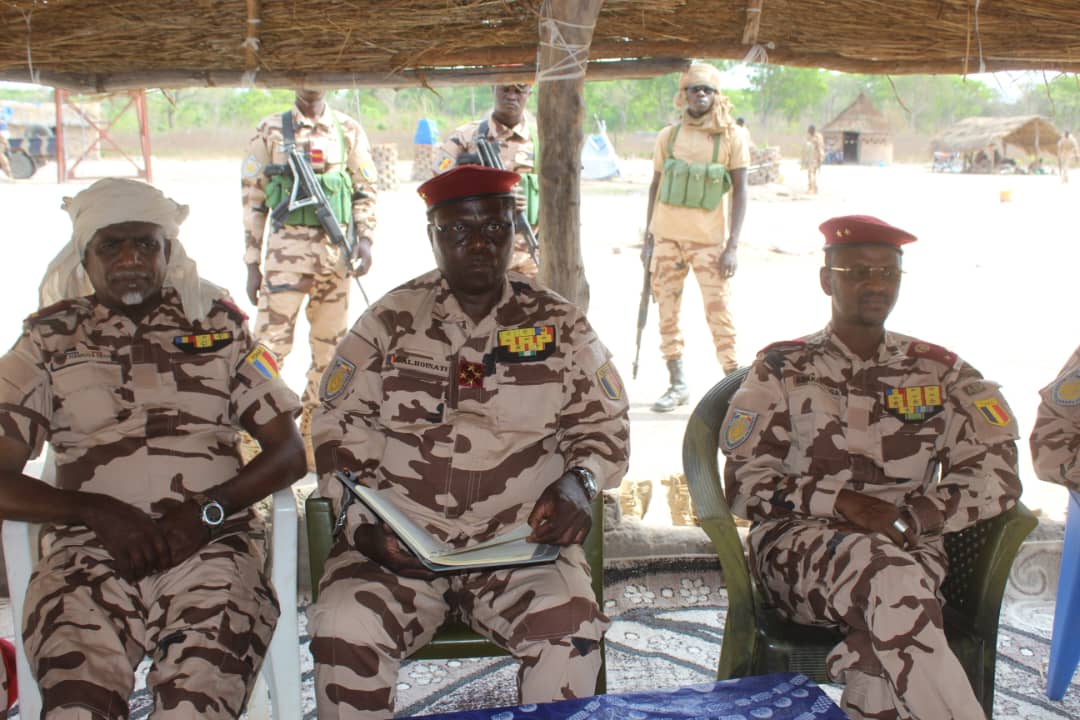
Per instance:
(1067,150)
(687,238)
(5,166)
(812,419)
(1057,426)
(147,413)
(301,261)
(813,156)
(464,431)
(515,150)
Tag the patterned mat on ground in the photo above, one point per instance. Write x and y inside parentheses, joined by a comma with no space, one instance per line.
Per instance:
(668,620)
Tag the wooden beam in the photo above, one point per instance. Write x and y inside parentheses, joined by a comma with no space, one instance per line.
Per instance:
(436,77)
(566,28)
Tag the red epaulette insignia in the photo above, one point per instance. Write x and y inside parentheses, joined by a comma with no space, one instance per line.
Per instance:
(232,307)
(920,349)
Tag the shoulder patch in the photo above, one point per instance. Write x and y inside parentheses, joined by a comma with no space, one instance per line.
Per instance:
(238,314)
(336,379)
(738,428)
(1067,390)
(993,411)
(610,382)
(446,163)
(263,361)
(251,167)
(920,349)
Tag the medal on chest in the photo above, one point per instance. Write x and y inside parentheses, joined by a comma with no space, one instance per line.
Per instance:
(915,403)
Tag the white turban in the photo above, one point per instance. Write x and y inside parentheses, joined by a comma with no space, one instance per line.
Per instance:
(700,73)
(116,200)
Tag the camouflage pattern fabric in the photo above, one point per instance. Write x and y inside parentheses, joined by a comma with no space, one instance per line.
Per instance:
(1057,425)
(516,151)
(5,166)
(301,261)
(463,425)
(1067,151)
(671,263)
(914,426)
(812,158)
(147,413)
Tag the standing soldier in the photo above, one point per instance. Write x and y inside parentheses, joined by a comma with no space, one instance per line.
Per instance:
(686,220)
(813,156)
(507,126)
(301,261)
(1067,151)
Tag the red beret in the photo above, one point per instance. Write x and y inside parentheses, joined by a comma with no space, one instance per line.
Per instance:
(863,229)
(467,181)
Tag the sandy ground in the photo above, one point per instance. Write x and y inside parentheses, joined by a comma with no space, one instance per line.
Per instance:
(979,281)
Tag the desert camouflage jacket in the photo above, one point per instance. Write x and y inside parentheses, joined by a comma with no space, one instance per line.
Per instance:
(466,424)
(1056,437)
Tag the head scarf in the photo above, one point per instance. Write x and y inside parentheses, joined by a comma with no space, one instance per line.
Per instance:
(704,74)
(116,200)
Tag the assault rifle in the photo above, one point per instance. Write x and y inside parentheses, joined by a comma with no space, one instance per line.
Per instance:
(489,157)
(643,304)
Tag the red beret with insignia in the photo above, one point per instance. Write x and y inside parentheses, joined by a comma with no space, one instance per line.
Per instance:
(863,229)
(467,181)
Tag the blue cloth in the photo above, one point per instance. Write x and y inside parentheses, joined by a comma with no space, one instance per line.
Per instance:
(781,696)
(426,133)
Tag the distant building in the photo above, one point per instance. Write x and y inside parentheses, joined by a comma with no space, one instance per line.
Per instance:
(38,120)
(860,134)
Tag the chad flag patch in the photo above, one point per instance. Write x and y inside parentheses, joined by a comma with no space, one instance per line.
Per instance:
(263,361)
(915,403)
(610,382)
(738,428)
(527,344)
(204,342)
(993,412)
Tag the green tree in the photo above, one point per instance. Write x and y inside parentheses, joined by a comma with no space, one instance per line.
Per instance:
(790,93)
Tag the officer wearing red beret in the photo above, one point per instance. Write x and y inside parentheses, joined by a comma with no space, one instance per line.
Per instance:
(476,401)
(853,451)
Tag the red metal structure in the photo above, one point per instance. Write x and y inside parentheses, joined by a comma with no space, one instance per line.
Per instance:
(65,100)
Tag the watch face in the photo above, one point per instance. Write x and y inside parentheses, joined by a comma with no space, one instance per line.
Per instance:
(213,514)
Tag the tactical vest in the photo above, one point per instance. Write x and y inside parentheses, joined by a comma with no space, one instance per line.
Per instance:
(693,184)
(337,184)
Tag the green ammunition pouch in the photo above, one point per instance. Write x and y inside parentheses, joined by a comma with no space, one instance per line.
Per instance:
(337,184)
(693,184)
(530,185)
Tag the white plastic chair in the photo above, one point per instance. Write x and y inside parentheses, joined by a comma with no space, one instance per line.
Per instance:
(281,667)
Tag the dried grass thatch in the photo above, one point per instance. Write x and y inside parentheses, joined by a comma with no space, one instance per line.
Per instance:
(92,44)
(1035,135)
(860,116)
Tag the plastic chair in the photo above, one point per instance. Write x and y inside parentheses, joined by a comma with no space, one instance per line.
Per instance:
(455,639)
(281,666)
(1065,642)
(757,640)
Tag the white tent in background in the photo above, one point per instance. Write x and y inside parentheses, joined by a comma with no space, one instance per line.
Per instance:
(598,158)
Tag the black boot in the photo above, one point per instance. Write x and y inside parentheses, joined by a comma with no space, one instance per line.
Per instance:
(676,395)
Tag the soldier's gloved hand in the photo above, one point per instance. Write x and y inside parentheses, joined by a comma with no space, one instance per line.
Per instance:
(562,515)
(378,543)
(131,536)
(361,259)
(728,262)
(184,531)
(254,283)
(874,515)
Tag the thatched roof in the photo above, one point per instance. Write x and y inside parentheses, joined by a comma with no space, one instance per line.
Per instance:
(860,116)
(94,44)
(975,133)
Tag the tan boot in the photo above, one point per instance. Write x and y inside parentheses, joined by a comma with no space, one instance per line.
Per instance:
(305,432)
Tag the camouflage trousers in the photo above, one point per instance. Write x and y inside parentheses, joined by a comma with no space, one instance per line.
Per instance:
(895,661)
(206,625)
(671,263)
(368,619)
(811,178)
(327,313)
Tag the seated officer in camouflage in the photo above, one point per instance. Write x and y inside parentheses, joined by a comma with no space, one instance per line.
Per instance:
(140,374)
(1055,441)
(477,401)
(853,451)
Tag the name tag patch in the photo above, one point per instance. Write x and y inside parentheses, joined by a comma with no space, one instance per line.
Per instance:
(417,363)
(915,403)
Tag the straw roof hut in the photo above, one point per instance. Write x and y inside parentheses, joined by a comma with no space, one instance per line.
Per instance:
(1033,134)
(860,133)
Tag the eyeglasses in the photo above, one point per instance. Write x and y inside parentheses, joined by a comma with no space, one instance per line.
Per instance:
(494,231)
(707,89)
(862,273)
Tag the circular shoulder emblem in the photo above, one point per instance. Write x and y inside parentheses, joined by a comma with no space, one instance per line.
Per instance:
(1067,391)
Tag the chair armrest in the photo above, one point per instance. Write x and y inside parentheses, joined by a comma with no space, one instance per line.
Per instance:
(20,551)
(283,552)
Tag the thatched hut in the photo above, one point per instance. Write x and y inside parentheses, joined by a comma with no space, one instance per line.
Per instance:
(1032,134)
(861,133)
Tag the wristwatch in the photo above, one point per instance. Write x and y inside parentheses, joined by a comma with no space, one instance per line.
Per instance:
(587,480)
(211,513)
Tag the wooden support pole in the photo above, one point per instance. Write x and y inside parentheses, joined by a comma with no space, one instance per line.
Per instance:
(566,28)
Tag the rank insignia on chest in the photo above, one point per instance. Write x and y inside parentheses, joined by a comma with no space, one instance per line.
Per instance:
(470,374)
(526,344)
(336,379)
(738,428)
(1067,390)
(993,412)
(915,403)
(263,361)
(610,382)
(204,342)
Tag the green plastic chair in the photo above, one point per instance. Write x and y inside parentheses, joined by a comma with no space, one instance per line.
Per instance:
(757,640)
(455,639)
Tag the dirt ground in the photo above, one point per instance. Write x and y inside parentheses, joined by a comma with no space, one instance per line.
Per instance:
(978,281)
